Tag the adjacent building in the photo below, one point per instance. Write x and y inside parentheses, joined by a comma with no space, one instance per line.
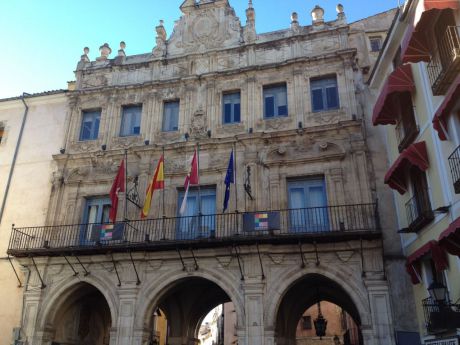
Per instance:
(305,222)
(416,83)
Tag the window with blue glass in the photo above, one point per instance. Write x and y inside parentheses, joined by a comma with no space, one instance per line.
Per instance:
(275,101)
(199,220)
(324,94)
(231,107)
(308,205)
(131,120)
(96,211)
(90,125)
(170,116)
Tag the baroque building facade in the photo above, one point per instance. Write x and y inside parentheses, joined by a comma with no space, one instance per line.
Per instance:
(415,85)
(291,106)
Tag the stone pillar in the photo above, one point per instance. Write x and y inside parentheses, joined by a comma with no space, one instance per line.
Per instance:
(381,314)
(125,322)
(253,300)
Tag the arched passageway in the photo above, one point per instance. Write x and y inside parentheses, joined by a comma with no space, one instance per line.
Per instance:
(184,305)
(305,294)
(83,318)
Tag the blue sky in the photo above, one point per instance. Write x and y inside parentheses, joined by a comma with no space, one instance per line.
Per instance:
(42,40)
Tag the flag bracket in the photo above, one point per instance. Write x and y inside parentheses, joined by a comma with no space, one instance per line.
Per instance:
(84,269)
(302,265)
(39,275)
(181,259)
(194,259)
(75,273)
(247,183)
(237,254)
(138,282)
(133,194)
(15,272)
(316,253)
(260,261)
(116,271)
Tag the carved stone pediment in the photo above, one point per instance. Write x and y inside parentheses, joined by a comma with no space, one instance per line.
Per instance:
(207,25)
(199,125)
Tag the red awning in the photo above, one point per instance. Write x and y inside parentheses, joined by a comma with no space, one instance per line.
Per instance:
(416,154)
(449,239)
(400,80)
(446,107)
(414,47)
(437,254)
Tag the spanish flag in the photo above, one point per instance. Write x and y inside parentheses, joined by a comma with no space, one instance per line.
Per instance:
(158,182)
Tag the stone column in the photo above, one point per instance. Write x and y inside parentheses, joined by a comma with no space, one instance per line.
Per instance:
(253,297)
(125,322)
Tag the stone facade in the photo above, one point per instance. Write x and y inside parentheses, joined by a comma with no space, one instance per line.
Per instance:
(270,282)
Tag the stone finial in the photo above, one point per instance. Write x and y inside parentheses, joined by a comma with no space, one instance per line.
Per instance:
(317,14)
(160,48)
(121,51)
(340,12)
(84,57)
(295,22)
(105,51)
(249,31)
(250,4)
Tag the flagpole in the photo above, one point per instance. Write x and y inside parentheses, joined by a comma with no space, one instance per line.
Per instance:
(235,177)
(126,185)
(164,187)
(199,183)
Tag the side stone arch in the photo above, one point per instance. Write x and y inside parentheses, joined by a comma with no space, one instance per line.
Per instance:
(151,293)
(290,277)
(56,296)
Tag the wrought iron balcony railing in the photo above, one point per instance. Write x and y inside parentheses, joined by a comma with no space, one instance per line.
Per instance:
(445,62)
(454,164)
(329,223)
(441,317)
(418,211)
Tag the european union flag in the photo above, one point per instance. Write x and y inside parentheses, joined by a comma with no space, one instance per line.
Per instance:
(229,178)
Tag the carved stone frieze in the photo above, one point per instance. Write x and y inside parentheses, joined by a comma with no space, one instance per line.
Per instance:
(198,126)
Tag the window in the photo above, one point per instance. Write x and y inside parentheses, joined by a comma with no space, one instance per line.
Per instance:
(418,208)
(96,212)
(406,127)
(171,116)
(131,120)
(376,43)
(231,106)
(192,224)
(275,101)
(324,94)
(2,132)
(308,205)
(90,125)
(306,322)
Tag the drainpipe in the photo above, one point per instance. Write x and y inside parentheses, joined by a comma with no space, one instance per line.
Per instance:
(15,156)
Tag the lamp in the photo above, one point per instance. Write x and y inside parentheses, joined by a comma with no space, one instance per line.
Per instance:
(438,292)
(320,323)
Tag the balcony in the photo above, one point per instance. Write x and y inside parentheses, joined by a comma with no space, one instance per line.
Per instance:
(454,164)
(440,318)
(320,224)
(445,63)
(418,211)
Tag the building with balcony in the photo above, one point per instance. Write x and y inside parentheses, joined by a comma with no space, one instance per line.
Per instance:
(416,83)
(304,222)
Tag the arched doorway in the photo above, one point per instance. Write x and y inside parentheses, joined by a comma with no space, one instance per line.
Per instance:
(183,308)
(300,304)
(83,318)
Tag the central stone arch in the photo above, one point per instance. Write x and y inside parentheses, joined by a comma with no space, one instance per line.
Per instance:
(185,299)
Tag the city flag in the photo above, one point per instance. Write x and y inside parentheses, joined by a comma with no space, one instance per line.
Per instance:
(191,179)
(158,182)
(117,186)
(229,178)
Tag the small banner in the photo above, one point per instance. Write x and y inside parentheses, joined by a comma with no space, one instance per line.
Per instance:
(107,232)
(261,221)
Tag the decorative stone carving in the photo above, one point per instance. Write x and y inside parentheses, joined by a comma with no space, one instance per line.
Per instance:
(105,51)
(160,49)
(249,33)
(198,127)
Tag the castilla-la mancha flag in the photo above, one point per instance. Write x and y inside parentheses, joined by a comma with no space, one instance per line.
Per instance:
(158,182)
(117,186)
(191,179)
